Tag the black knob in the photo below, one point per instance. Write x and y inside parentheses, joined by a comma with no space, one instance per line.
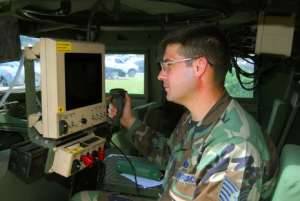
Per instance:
(95,154)
(83,120)
(63,127)
(76,166)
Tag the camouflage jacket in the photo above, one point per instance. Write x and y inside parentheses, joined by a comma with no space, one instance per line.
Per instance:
(223,157)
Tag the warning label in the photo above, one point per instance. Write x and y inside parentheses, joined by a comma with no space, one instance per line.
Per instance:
(62,46)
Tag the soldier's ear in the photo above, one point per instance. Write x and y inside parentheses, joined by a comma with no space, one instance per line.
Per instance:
(200,64)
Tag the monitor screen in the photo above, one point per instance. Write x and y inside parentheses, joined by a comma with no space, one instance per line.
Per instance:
(83,82)
(72,86)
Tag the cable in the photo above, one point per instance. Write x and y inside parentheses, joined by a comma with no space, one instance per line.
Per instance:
(90,20)
(101,172)
(239,71)
(47,16)
(93,12)
(131,165)
(64,10)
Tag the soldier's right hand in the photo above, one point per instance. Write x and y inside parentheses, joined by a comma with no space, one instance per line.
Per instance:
(127,118)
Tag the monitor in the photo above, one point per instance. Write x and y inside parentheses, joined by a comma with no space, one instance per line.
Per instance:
(72,86)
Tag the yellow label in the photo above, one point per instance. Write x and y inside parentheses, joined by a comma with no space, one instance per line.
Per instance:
(60,110)
(62,46)
(74,150)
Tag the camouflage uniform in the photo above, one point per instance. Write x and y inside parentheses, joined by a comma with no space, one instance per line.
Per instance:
(223,157)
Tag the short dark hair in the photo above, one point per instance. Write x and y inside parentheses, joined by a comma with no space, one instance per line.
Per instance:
(209,42)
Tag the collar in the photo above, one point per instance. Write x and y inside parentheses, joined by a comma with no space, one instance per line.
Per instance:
(214,114)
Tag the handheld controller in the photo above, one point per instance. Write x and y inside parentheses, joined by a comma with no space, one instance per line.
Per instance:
(118,100)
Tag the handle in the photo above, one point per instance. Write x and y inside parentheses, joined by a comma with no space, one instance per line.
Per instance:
(118,100)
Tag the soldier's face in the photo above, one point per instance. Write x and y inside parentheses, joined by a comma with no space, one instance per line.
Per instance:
(177,75)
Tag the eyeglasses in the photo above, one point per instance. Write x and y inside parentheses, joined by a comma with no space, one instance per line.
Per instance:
(165,65)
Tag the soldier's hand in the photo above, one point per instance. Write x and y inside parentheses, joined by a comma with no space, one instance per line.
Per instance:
(112,111)
(127,118)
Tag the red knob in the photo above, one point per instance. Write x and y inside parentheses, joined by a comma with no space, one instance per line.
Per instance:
(101,154)
(87,160)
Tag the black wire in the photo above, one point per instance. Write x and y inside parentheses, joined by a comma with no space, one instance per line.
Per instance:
(91,17)
(242,84)
(131,165)
(245,59)
(277,61)
(101,172)
(239,71)
(93,12)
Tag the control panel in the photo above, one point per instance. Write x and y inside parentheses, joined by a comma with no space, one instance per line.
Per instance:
(77,155)
(75,120)
(68,122)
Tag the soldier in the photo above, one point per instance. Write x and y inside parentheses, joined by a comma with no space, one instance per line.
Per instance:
(217,151)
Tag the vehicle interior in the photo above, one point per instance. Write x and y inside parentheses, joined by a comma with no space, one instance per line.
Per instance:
(264,78)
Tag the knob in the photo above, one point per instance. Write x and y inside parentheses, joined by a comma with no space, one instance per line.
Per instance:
(63,127)
(95,154)
(87,160)
(101,154)
(83,120)
(76,166)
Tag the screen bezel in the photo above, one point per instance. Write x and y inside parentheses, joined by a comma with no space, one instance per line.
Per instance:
(52,53)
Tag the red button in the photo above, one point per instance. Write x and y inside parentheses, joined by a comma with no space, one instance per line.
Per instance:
(87,160)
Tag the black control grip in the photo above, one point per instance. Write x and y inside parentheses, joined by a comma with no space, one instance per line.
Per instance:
(118,100)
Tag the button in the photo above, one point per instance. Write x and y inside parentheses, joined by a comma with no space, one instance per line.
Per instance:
(83,120)
(87,160)
(76,166)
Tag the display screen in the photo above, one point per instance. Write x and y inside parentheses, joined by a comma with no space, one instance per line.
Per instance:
(83,79)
